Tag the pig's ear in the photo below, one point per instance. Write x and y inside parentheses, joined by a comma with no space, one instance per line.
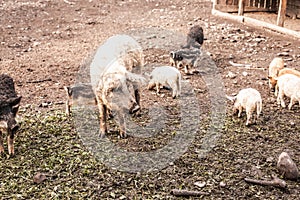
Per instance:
(231,98)
(172,54)
(14,101)
(68,90)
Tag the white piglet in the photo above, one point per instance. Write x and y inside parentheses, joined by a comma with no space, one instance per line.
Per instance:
(275,66)
(248,99)
(289,85)
(166,76)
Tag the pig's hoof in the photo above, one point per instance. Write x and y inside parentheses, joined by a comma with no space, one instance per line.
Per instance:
(102,135)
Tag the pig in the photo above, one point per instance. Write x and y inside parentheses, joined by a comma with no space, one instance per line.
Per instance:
(195,37)
(80,94)
(248,99)
(115,92)
(191,51)
(275,66)
(289,85)
(184,58)
(166,76)
(283,71)
(9,106)
(115,79)
(123,49)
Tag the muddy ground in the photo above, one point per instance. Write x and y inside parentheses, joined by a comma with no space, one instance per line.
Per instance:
(44,44)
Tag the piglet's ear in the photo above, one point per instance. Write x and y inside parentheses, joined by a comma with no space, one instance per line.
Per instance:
(14,101)
(172,54)
(231,98)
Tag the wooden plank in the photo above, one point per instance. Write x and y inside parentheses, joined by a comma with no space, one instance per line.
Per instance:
(274,4)
(281,13)
(257,23)
(234,9)
(241,7)
(251,2)
(267,4)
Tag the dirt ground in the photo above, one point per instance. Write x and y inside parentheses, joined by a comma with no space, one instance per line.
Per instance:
(44,47)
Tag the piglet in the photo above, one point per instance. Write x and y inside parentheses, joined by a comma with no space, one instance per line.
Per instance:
(275,66)
(80,94)
(166,76)
(248,99)
(9,106)
(289,85)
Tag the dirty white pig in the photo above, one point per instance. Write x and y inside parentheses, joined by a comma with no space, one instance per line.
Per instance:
(115,79)
(248,99)
(166,76)
(122,49)
(9,106)
(289,85)
(80,94)
(115,93)
(275,66)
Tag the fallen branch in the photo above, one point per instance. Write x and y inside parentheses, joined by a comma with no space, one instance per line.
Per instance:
(39,81)
(248,66)
(239,65)
(186,193)
(275,182)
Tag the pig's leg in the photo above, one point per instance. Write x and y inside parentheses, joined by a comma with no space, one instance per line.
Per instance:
(157,88)
(291,103)
(68,106)
(1,142)
(281,97)
(276,90)
(249,114)
(137,96)
(240,111)
(186,69)
(103,125)
(173,85)
(122,124)
(10,143)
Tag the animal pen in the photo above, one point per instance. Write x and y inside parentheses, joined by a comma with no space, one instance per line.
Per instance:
(235,9)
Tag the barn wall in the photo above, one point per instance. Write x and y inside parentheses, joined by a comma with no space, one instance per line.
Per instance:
(293,6)
(250,5)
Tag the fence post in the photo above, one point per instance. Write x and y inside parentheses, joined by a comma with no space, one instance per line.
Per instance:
(281,13)
(241,7)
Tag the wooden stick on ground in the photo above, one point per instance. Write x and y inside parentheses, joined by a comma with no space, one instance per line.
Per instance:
(39,81)
(275,182)
(186,193)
